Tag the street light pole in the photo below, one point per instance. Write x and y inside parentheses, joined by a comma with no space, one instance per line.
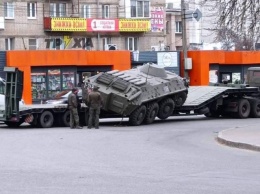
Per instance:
(184,38)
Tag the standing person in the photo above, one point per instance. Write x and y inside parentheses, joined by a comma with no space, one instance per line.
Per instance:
(95,102)
(73,107)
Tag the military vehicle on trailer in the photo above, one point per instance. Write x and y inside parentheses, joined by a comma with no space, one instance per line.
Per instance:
(141,93)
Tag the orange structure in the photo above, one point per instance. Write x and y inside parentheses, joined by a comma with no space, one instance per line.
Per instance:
(202,61)
(26,60)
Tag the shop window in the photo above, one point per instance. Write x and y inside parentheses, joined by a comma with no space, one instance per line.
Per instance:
(38,81)
(85,11)
(105,11)
(68,80)
(2,86)
(140,8)
(57,9)
(32,44)
(31,10)
(54,82)
(9,44)
(9,10)
(132,43)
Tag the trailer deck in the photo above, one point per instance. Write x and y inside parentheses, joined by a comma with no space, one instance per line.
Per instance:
(199,96)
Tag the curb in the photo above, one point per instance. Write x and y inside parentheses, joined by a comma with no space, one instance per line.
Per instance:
(239,145)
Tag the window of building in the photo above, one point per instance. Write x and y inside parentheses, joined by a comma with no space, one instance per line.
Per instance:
(58,9)
(85,11)
(31,10)
(105,11)
(132,43)
(106,41)
(140,8)
(33,44)
(9,44)
(57,44)
(86,43)
(9,10)
(178,27)
(168,27)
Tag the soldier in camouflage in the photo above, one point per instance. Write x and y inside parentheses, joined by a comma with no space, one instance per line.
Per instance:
(73,107)
(95,102)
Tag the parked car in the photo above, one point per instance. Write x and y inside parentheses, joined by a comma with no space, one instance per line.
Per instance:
(62,97)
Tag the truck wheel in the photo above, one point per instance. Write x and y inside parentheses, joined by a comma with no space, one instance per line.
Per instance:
(166,108)
(180,99)
(137,117)
(13,124)
(243,108)
(152,111)
(46,119)
(255,108)
(66,119)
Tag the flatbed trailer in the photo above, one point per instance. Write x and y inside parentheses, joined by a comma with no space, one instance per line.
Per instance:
(214,101)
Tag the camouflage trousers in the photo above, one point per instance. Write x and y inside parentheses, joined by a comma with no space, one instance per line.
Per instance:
(74,118)
(93,117)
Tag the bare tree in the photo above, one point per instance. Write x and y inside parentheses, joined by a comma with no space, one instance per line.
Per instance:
(238,20)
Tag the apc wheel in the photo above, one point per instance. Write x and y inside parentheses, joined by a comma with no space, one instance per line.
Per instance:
(66,119)
(13,124)
(180,99)
(46,119)
(255,108)
(243,108)
(152,111)
(137,116)
(166,108)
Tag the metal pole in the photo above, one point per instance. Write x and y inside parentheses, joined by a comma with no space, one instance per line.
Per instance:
(184,38)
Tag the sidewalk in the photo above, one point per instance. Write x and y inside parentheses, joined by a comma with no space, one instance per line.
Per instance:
(243,138)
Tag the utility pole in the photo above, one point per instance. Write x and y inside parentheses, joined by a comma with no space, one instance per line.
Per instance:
(184,38)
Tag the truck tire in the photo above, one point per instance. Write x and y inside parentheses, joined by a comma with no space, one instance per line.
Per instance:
(243,108)
(166,108)
(255,108)
(180,99)
(12,124)
(66,119)
(137,116)
(152,111)
(46,119)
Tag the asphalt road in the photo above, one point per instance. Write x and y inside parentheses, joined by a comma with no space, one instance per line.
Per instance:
(177,156)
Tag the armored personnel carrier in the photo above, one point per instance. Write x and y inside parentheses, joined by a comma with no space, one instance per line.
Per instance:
(142,93)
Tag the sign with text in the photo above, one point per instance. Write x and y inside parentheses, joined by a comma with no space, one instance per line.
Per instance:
(167,59)
(103,25)
(157,19)
(126,25)
(68,24)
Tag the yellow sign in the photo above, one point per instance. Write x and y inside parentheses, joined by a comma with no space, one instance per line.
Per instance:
(68,24)
(134,25)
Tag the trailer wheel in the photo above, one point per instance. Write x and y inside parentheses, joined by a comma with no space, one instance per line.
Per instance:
(13,124)
(180,99)
(152,111)
(46,119)
(166,108)
(66,119)
(137,116)
(255,108)
(243,108)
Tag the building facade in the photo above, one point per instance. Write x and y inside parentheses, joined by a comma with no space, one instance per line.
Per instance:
(89,24)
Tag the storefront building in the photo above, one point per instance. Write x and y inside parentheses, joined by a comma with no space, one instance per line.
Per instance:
(48,72)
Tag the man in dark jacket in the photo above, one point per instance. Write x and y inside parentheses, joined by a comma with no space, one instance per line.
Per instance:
(73,107)
(95,102)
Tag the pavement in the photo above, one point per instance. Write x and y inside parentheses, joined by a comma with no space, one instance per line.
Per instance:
(241,137)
